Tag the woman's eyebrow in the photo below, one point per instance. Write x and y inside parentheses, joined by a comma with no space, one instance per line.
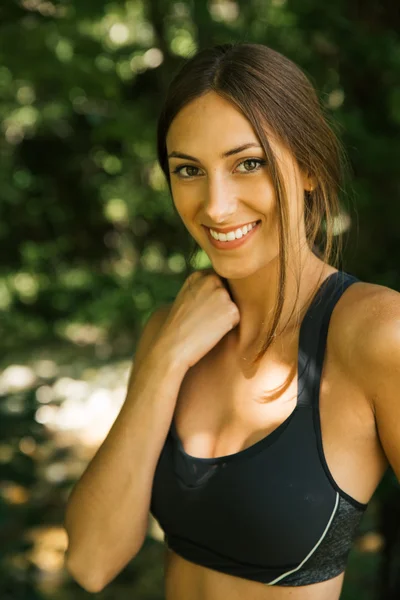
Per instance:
(224,155)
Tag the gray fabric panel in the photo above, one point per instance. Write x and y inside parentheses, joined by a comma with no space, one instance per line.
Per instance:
(330,558)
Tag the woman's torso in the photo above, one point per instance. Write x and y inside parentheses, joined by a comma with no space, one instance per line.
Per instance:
(216,414)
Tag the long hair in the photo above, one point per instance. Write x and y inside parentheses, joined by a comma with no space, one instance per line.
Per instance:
(276,96)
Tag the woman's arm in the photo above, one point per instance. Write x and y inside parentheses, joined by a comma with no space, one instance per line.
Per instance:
(376,364)
(107,512)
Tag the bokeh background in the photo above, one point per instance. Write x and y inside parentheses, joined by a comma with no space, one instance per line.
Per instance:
(90,244)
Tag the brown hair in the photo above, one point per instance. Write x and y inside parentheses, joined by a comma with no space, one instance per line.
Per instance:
(271,90)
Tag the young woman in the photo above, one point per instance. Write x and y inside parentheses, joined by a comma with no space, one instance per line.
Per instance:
(262,408)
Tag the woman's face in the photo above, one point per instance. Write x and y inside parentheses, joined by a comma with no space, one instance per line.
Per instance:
(213,190)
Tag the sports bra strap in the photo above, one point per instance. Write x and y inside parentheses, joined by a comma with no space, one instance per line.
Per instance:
(313,335)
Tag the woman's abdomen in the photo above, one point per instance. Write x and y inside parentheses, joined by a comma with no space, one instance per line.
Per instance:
(184,580)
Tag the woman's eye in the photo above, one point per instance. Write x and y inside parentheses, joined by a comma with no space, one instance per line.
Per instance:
(253,160)
(258,161)
(179,169)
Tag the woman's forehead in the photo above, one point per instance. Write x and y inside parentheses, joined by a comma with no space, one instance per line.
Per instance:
(210,125)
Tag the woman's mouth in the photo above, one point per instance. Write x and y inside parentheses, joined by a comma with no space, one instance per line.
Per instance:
(236,242)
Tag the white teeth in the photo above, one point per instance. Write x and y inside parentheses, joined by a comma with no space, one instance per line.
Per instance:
(232,235)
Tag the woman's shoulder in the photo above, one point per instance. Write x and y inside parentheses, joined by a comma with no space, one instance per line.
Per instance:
(366,322)
(365,308)
(373,359)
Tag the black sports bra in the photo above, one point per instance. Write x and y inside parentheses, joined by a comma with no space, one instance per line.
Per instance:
(272,512)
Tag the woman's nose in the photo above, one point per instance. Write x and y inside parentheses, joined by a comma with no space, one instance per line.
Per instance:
(220,203)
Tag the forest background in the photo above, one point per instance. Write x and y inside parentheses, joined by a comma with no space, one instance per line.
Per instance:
(90,244)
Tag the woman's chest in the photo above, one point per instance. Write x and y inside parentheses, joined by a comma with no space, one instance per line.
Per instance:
(223,409)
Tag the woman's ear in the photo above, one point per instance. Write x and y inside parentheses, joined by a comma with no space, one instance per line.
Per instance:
(309,182)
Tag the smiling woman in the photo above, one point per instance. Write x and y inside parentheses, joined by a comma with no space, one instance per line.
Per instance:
(254,171)
(252,131)
(258,472)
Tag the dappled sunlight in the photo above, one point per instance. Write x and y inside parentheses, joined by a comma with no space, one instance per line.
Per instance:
(86,407)
(372,541)
(47,553)
(16,378)
(77,412)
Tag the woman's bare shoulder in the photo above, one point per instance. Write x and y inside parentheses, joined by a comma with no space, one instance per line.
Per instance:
(364,313)
(367,304)
(374,360)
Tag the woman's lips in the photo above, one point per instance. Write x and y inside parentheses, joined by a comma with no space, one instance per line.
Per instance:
(236,243)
